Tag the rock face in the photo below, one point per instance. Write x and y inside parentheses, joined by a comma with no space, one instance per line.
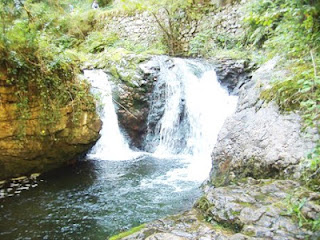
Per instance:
(233,74)
(133,101)
(43,147)
(258,141)
(188,225)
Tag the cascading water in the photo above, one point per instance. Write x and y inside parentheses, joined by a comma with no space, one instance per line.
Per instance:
(112,145)
(188,107)
(193,109)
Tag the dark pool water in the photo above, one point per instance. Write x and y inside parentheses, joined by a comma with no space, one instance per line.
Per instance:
(96,199)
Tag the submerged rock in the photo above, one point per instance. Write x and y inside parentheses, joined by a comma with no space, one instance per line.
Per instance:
(14,186)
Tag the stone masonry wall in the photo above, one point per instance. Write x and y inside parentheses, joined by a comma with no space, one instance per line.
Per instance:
(144,29)
(141,27)
(226,19)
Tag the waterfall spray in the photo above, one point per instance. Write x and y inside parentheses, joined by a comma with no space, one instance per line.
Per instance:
(112,145)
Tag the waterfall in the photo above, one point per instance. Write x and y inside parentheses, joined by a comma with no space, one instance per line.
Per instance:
(112,145)
(188,108)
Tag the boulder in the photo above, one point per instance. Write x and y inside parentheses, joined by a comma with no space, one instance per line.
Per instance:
(258,140)
(233,74)
(133,100)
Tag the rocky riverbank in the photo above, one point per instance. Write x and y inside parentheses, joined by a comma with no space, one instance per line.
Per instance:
(250,209)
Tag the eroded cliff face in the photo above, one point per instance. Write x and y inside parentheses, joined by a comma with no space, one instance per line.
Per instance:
(43,147)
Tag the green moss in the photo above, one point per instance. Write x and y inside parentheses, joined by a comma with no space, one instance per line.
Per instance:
(221,179)
(211,224)
(260,197)
(221,228)
(245,204)
(125,234)
(203,204)
(249,233)
(236,213)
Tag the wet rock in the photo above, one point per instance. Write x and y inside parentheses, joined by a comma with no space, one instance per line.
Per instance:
(19,178)
(233,74)
(133,77)
(16,186)
(34,175)
(237,212)
(13,185)
(165,236)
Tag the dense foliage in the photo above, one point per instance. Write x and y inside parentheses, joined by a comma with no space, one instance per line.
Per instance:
(33,57)
(291,28)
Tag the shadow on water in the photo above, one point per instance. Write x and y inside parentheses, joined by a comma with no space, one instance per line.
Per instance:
(96,199)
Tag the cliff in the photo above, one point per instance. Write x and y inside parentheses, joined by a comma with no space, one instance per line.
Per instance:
(28,145)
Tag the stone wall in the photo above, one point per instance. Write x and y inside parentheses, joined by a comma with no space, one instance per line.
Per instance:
(225,20)
(143,28)
(43,147)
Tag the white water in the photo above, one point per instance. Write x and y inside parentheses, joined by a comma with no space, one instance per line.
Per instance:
(112,145)
(194,111)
